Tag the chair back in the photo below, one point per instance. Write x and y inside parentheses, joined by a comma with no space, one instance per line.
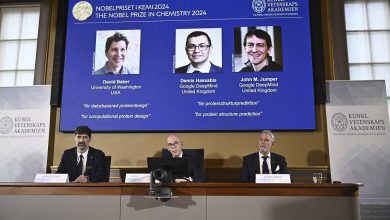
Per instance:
(197,155)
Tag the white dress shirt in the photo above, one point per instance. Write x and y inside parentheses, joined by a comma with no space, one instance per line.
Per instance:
(204,69)
(268,162)
(85,157)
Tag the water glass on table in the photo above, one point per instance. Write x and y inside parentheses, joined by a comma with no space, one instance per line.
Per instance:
(317,177)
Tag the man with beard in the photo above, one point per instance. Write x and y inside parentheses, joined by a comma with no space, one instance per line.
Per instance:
(116,53)
(257,46)
(83,163)
(263,161)
(175,147)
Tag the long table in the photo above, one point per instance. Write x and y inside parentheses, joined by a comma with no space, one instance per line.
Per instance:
(120,201)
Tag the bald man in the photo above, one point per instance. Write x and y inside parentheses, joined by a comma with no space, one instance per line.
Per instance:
(175,147)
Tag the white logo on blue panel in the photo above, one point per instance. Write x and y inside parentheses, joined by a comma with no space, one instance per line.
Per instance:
(258,5)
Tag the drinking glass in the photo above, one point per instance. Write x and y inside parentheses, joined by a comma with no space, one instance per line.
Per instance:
(319,177)
(315,178)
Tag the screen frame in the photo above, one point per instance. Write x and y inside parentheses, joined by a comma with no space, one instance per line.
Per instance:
(316,38)
(317,71)
(177,166)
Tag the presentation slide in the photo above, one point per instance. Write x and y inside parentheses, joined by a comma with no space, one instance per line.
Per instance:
(188,65)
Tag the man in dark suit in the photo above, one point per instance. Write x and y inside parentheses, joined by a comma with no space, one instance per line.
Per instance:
(198,48)
(175,147)
(83,163)
(259,162)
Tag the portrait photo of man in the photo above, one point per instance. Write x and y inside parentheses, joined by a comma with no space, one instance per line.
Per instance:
(259,50)
(198,51)
(117,52)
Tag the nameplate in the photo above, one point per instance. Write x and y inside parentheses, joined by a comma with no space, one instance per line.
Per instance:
(51,178)
(273,178)
(137,178)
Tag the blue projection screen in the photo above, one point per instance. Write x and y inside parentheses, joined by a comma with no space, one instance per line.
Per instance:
(155,92)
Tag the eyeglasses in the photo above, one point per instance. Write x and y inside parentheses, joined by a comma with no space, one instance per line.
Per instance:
(201,47)
(173,145)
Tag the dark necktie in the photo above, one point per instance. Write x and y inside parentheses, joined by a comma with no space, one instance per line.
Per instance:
(196,71)
(80,166)
(265,165)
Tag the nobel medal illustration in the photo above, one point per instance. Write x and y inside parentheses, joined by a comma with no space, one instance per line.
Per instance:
(82,10)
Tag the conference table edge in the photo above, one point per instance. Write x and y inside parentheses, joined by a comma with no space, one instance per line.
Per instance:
(182,189)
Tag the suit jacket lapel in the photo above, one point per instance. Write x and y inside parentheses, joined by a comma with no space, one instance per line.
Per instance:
(185,155)
(90,157)
(274,163)
(73,160)
(90,160)
(257,164)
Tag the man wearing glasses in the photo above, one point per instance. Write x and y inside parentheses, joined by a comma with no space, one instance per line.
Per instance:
(257,46)
(198,48)
(175,147)
(83,163)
